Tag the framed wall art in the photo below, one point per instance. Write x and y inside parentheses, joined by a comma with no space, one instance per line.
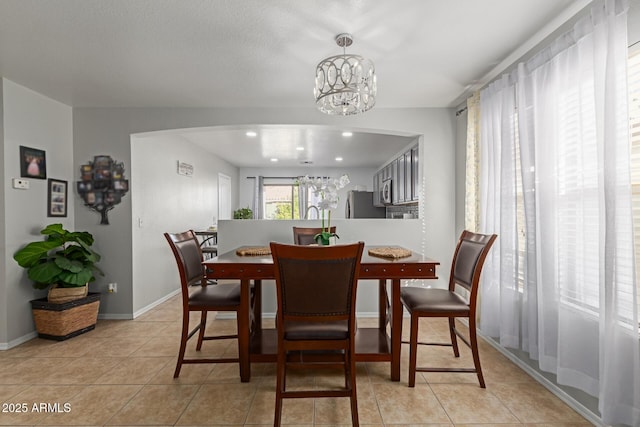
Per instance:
(57,198)
(33,163)
(102,185)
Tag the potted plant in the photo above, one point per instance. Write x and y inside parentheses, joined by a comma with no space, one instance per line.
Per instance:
(243,213)
(64,263)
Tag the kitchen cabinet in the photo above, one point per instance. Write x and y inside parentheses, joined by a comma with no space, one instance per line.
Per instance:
(378,179)
(408,180)
(376,191)
(403,172)
(399,196)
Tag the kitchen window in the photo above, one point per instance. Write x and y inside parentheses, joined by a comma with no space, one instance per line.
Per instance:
(281,201)
(283,198)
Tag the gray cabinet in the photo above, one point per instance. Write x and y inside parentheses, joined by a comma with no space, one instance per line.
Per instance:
(404,174)
(415,174)
(400,180)
(378,179)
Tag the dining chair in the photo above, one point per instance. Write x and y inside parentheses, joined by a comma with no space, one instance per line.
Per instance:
(304,235)
(468,259)
(199,295)
(316,298)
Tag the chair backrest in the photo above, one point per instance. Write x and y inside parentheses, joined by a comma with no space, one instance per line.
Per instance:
(304,235)
(316,283)
(186,249)
(468,259)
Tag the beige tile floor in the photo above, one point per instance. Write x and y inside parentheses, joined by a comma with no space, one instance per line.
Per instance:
(122,374)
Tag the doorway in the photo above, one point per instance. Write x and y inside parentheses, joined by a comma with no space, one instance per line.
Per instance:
(224,196)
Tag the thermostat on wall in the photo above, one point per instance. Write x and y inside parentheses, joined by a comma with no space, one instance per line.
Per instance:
(19,183)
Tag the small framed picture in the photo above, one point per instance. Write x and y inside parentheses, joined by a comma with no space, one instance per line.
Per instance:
(57,198)
(33,163)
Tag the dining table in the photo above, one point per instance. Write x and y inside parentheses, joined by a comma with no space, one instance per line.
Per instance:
(253,264)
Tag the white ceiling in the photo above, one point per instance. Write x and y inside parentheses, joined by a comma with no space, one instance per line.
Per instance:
(257,53)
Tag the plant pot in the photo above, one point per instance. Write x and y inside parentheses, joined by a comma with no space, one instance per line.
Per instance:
(63,321)
(59,295)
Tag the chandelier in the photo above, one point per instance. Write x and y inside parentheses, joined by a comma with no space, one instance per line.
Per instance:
(345,84)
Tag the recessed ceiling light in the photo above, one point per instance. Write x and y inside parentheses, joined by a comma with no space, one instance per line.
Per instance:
(338,159)
(300,148)
(274,159)
(347,133)
(251,133)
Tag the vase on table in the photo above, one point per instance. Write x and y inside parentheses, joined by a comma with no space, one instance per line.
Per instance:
(326,237)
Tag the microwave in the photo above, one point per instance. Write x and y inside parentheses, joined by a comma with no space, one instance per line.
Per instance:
(385,194)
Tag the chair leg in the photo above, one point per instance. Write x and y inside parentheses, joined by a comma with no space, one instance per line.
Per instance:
(203,324)
(454,338)
(280,386)
(183,343)
(353,397)
(413,349)
(474,351)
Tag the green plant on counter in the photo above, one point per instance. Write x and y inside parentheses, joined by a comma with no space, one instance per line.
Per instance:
(243,213)
(64,258)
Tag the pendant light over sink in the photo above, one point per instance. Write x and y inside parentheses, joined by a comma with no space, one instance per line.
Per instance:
(345,84)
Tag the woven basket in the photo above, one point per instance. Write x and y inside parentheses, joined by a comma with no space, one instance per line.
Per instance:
(63,321)
(58,295)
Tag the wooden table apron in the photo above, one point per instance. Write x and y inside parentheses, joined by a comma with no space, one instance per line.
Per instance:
(372,344)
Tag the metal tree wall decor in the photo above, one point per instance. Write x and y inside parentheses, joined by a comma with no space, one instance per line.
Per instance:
(103,185)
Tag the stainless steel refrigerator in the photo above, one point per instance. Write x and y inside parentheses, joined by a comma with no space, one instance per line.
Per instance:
(360,205)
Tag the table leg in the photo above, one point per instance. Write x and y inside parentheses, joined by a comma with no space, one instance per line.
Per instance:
(257,305)
(383,304)
(396,329)
(243,331)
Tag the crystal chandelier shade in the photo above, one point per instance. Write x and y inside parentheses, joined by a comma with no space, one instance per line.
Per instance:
(345,84)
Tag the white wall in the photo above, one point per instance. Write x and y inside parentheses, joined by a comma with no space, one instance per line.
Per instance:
(362,177)
(31,120)
(163,201)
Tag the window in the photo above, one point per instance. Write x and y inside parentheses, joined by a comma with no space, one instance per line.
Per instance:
(576,295)
(634,133)
(285,198)
(281,201)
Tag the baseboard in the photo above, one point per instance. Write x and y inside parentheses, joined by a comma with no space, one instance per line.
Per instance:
(156,303)
(114,316)
(18,341)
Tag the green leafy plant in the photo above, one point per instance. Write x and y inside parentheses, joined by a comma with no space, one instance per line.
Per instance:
(64,258)
(243,213)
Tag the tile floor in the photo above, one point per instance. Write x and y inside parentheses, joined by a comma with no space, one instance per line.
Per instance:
(121,374)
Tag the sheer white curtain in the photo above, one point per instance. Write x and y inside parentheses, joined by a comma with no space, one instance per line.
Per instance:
(576,313)
(499,303)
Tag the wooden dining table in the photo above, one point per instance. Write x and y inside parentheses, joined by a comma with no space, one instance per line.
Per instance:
(374,344)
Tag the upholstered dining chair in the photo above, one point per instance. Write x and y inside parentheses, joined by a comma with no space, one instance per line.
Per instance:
(466,267)
(199,295)
(304,235)
(316,294)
